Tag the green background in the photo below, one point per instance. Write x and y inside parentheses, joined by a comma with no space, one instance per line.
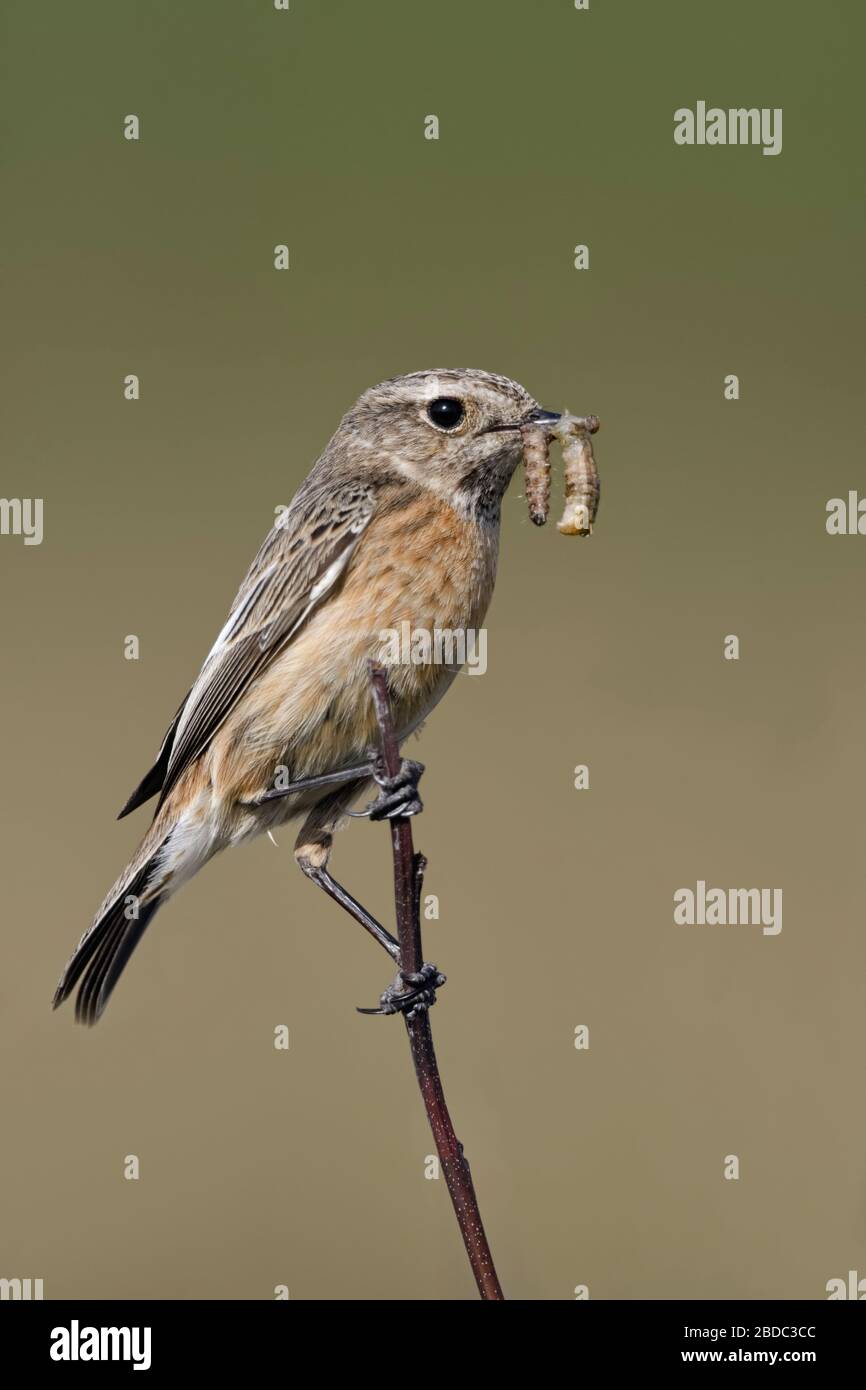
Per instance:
(306,1168)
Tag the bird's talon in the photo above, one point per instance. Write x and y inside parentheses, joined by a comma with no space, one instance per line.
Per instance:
(403,808)
(428,974)
(420,997)
(398,795)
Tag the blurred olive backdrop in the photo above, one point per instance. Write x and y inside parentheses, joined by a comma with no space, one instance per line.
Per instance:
(306,1168)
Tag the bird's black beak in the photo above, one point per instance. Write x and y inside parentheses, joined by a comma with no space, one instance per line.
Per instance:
(535,417)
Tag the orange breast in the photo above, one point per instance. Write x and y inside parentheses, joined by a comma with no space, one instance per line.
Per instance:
(420,564)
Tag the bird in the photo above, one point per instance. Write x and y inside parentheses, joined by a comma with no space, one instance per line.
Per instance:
(398,521)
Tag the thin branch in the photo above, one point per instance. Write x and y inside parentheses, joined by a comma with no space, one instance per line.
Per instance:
(408,878)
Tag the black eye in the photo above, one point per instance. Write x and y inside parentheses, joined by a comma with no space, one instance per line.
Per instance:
(446,412)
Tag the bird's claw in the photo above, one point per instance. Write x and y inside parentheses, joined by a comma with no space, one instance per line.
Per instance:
(414,1000)
(398,796)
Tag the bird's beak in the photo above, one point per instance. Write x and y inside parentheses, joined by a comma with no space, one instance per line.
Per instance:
(535,417)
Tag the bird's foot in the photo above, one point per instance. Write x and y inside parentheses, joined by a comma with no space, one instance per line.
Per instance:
(398,796)
(412,993)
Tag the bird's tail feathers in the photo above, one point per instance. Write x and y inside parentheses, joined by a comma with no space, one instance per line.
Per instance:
(104,949)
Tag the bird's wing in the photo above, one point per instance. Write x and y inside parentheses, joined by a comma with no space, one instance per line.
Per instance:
(154,778)
(301,561)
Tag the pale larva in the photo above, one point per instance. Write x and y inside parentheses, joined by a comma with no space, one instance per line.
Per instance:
(582,486)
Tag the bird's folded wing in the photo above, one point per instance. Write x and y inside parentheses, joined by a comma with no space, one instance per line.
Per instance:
(301,561)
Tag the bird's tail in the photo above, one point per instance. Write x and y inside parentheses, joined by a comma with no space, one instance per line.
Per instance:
(104,949)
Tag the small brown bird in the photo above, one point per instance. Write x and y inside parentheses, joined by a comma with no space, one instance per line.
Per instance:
(397,522)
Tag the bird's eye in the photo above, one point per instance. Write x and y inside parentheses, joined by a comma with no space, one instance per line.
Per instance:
(445,412)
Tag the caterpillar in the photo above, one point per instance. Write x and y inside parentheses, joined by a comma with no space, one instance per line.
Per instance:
(582,486)
(536,463)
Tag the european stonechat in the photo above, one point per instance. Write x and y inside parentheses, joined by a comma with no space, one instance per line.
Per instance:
(398,522)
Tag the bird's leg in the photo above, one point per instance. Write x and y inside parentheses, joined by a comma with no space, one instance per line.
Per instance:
(319,875)
(398,796)
(410,992)
(312,851)
(326,779)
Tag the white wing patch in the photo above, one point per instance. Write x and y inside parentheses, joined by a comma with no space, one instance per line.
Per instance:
(235,619)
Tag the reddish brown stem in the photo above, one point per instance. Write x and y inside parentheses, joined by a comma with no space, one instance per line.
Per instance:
(408,874)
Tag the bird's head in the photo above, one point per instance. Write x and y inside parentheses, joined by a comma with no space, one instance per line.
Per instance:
(455,431)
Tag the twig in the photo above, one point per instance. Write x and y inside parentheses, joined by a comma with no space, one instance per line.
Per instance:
(408,877)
